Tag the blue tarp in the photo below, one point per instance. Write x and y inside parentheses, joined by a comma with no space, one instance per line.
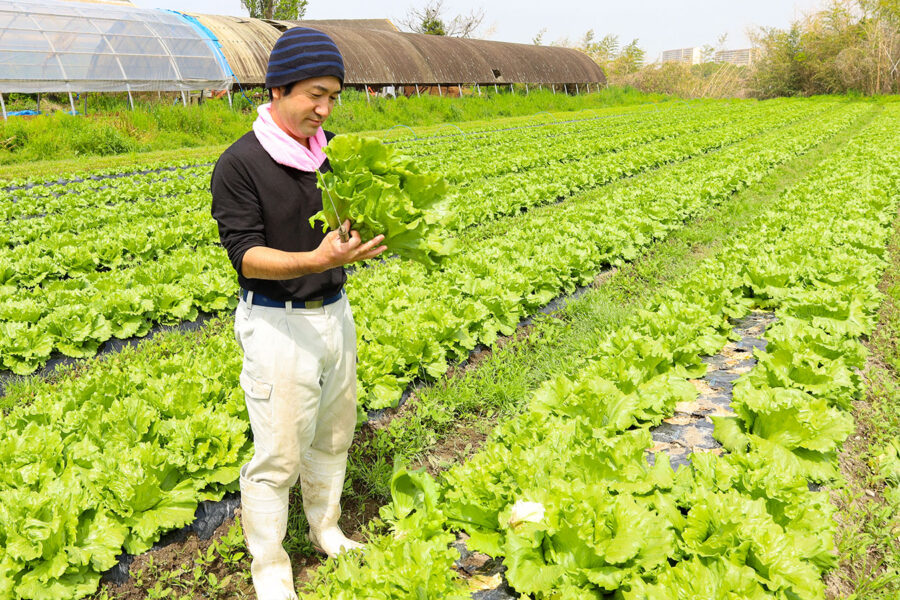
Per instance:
(211,39)
(28,113)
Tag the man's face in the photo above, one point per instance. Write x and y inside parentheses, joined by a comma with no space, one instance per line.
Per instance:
(305,109)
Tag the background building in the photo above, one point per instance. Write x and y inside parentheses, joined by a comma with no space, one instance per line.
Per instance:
(690,56)
(744,56)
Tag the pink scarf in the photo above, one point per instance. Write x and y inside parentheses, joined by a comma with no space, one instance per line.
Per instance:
(284,149)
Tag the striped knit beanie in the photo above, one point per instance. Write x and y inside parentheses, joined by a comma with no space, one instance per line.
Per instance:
(301,53)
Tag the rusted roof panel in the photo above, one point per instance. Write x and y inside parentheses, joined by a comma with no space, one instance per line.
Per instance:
(450,60)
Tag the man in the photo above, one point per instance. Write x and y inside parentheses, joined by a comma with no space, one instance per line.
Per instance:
(293,320)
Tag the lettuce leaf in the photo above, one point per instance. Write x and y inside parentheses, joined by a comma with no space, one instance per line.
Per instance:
(382,192)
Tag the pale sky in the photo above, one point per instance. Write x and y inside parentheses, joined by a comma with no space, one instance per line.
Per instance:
(658,24)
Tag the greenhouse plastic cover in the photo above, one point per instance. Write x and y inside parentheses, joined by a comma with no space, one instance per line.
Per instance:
(81,47)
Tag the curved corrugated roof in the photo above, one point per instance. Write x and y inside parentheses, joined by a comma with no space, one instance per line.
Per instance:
(377,24)
(526,63)
(383,57)
(378,57)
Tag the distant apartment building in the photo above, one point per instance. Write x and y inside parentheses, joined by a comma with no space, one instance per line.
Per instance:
(744,56)
(690,56)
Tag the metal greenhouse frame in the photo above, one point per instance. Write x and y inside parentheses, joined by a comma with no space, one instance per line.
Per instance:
(52,46)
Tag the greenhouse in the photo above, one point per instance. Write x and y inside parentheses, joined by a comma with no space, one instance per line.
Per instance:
(80,47)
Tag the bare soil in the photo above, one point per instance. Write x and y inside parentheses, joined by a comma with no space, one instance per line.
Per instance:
(172,557)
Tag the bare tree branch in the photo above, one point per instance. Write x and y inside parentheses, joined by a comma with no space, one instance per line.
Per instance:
(430,19)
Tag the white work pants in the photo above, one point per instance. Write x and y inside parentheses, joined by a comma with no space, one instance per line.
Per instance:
(299,382)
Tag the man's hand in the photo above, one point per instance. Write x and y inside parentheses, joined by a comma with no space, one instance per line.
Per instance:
(332,252)
(260,262)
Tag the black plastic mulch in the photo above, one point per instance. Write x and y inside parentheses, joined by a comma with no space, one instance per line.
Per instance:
(688,430)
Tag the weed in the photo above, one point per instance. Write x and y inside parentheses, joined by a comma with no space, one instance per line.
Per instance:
(868,533)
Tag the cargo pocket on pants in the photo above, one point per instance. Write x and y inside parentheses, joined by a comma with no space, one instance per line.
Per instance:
(258,396)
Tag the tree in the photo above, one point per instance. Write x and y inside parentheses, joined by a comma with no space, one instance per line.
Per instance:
(850,45)
(430,20)
(722,41)
(708,51)
(779,71)
(606,52)
(284,10)
(601,51)
(629,59)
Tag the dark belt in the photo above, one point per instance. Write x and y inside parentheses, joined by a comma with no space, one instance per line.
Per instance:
(260,300)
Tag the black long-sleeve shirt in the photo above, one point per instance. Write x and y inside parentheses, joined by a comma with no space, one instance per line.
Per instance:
(258,202)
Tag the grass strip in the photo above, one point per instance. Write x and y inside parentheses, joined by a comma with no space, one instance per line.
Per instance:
(868,506)
(52,169)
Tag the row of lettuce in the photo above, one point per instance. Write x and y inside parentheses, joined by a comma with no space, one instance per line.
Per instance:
(122,185)
(123,450)
(564,494)
(514,267)
(113,258)
(137,201)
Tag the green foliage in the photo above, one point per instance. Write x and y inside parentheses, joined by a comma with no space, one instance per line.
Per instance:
(559,345)
(482,294)
(616,60)
(848,46)
(287,10)
(780,70)
(629,59)
(602,51)
(93,261)
(105,470)
(433,26)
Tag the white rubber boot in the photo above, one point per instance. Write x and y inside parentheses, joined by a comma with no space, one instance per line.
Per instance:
(322,480)
(264,515)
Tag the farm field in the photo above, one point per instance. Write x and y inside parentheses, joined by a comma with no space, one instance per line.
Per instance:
(108,452)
